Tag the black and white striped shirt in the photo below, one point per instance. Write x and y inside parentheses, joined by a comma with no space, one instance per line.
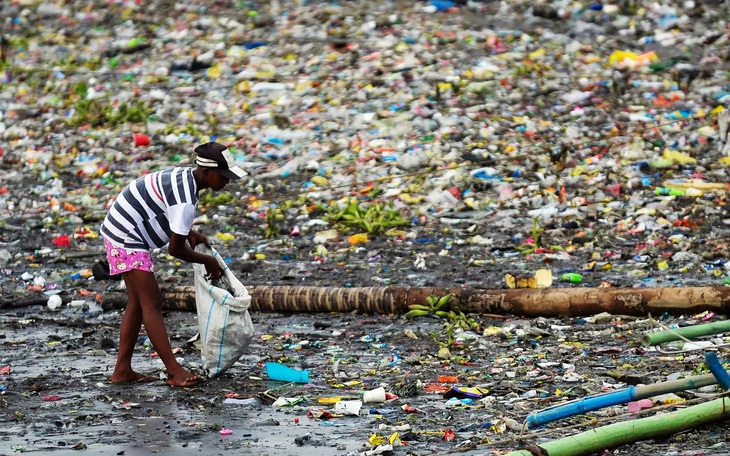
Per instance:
(151,208)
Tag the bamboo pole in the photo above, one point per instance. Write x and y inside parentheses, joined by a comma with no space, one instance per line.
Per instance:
(632,393)
(520,301)
(687,332)
(617,434)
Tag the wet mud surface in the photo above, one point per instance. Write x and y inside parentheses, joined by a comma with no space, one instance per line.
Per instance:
(57,398)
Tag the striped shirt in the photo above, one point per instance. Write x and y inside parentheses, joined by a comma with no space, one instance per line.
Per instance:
(151,208)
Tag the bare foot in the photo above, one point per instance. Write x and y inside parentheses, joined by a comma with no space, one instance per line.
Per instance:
(184,379)
(131,377)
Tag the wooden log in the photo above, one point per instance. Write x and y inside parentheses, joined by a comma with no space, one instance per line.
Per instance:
(526,302)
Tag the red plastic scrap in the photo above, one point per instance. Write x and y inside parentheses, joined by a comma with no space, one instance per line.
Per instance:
(5,370)
(62,241)
(319,414)
(51,398)
(449,435)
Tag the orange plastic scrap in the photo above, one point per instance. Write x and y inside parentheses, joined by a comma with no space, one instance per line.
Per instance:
(70,207)
(435,388)
(662,101)
(448,379)
(686,223)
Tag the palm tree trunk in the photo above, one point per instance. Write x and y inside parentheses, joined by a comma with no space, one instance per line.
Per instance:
(524,302)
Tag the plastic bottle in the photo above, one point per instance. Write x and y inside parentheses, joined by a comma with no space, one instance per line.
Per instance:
(663,191)
(572,277)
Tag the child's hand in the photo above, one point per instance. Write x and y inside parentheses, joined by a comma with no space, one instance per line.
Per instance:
(213,268)
(195,238)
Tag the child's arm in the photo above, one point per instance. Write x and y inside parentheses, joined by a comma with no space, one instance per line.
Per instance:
(179,249)
(195,238)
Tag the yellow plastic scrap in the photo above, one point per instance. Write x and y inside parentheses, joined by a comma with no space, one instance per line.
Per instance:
(673,400)
(214,72)
(407,198)
(543,278)
(540,53)
(472,203)
(376,440)
(394,439)
(678,157)
(696,184)
(225,237)
(360,238)
(499,427)
(319,180)
(632,59)
(347,384)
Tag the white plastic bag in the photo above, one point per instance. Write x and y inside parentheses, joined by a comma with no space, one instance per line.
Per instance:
(226,329)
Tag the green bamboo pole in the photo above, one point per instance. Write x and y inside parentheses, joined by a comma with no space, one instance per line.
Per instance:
(688,332)
(614,435)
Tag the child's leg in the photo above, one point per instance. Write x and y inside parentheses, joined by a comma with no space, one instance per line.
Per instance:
(143,286)
(128,335)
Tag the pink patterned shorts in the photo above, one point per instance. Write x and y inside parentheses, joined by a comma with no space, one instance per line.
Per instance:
(121,260)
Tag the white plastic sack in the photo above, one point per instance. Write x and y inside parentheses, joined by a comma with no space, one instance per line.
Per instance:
(225,326)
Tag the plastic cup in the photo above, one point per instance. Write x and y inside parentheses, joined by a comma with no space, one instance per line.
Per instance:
(141,140)
(348,407)
(376,395)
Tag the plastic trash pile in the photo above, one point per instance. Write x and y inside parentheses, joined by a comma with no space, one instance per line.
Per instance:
(582,135)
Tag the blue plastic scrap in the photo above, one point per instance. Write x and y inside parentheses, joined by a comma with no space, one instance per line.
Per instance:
(717,370)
